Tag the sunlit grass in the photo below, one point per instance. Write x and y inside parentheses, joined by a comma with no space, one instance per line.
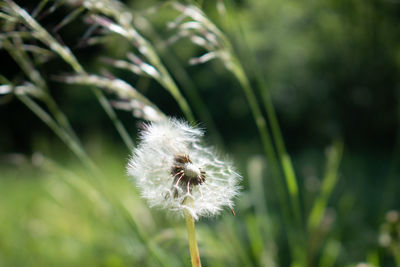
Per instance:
(55,211)
(61,215)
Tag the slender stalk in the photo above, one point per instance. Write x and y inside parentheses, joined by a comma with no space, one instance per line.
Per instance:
(285,159)
(169,83)
(181,75)
(280,161)
(63,135)
(395,248)
(149,52)
(194,250)
(113,117)
(26,65)
(282,155)
(328,184)
(265,135)
(65,53)
(290,179)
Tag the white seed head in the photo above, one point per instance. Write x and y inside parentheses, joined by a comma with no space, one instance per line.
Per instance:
(170,164)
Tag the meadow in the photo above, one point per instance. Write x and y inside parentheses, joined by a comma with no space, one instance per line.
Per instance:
(302,96)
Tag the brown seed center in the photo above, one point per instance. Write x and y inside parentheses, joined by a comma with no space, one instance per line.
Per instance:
(186,174)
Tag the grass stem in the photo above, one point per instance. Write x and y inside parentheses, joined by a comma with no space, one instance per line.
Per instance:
(65,53)
(59,131)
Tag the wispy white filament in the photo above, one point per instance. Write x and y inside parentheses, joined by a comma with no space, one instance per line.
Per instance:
(151,163)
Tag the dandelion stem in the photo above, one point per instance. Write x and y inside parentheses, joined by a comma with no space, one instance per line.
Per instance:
(194,250)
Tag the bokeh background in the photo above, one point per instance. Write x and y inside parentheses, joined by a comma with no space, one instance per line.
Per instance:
(332,71)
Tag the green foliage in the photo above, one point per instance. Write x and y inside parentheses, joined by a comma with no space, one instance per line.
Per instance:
(327,69)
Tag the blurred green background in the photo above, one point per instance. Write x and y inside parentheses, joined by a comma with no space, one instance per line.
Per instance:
(332,71)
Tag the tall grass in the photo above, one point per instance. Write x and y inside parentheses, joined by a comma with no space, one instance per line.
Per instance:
(255,237)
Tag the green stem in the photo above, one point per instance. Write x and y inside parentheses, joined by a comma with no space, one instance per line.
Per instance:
(26,65)
(63,135)
(194,250)
(129,32)
(181,76)
(113,117)
(328,184)
(266,139)
(289,176)
(169,83)
(396,254)
(282,156)
(286,162)
(65,53)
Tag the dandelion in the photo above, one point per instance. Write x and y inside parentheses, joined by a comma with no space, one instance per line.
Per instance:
(176,172)
(170,164)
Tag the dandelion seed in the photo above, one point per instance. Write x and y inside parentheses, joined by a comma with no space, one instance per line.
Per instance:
(171,165)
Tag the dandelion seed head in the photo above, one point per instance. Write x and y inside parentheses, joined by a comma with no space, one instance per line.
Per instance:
(171,164)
